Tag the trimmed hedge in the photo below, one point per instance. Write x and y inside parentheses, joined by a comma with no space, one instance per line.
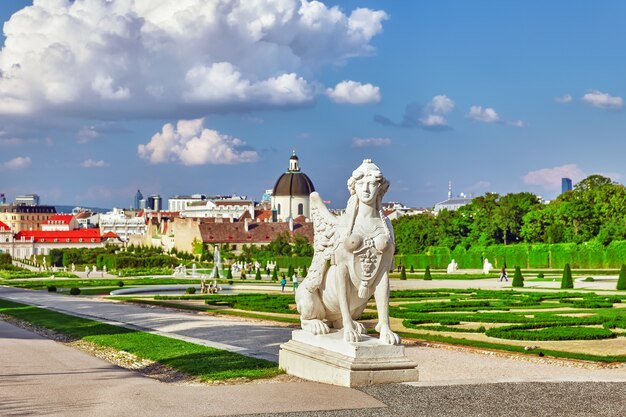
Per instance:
(589,255)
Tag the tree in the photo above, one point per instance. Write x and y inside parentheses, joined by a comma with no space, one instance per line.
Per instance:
(427,276)
(621,281)
(518,279)
(566,281)
(403,273)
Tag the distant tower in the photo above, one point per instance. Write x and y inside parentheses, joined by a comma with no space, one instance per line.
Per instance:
(138,198)
(290,195)
(566,185)
(449,190)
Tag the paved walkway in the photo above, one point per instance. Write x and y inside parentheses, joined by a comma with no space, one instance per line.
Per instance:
(31,366)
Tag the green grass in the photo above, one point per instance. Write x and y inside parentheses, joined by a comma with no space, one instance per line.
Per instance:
(205,363)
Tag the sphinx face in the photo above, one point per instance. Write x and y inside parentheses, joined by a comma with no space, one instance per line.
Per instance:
(367,188)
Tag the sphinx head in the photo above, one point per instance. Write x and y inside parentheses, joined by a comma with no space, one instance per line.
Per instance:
(368,184)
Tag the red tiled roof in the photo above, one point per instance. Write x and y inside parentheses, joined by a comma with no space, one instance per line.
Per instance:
(263,215)
(61,236)
(110,235)
(60,219)
(4,227)
(257,232)
(83,215)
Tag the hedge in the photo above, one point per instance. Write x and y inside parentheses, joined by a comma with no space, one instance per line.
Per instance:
(589,255)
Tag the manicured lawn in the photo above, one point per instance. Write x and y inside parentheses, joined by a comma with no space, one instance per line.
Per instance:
(205,363)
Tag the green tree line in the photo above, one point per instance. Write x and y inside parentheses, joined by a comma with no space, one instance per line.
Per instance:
(594,211)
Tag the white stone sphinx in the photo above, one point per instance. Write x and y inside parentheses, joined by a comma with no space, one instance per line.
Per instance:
(487,266)
(352,259)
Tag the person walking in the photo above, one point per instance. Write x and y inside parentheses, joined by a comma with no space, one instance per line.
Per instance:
(503,275)
(283,282)
(294,279)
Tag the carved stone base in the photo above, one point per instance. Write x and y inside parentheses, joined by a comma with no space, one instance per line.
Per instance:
(329,359)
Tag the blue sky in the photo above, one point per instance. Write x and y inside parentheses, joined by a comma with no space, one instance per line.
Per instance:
(98,98)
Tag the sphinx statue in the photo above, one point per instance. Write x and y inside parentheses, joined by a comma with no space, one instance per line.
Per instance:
(353,254)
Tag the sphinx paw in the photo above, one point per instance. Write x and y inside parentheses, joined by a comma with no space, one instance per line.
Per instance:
(351,335)
(360,329)
(388,337)
(315,326)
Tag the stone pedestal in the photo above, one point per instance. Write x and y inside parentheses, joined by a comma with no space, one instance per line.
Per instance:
(330,359)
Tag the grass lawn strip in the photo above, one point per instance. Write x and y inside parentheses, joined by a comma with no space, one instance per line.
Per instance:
(204,363)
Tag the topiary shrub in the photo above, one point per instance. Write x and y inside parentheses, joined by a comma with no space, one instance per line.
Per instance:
(427,276)
(518,279)
(589,279)
(230,282)
(403,273)
(190,290)
(540,275)
(257,276)
(621,280)
(229,274)
(75,291)
(120,283)
(567,281)
(275,274)
(412,270)
(52,288)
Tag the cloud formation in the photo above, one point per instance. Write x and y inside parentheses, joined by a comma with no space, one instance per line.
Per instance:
(189,143)
(352,92)
(365,142)
(144,58)
(603,100)
(550,178)
(16,163)
(483,115)
(90,163)
(432,116)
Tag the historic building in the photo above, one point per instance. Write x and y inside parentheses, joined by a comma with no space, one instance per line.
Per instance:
(25,217)
(290,196)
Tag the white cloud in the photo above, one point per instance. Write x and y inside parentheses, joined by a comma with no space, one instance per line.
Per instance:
(517,123)
(146,58)
(353,92)
(16,163)
(550,178)
(189,143)
(90,163)
(433,120)
(364,142)
(87,134)
(486,115)
(603,100)
(564,99)
(441,104)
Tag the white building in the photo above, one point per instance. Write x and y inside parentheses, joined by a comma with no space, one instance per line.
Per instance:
(117,222)
(226,208)
(290,196)
(180,202)
(27,199)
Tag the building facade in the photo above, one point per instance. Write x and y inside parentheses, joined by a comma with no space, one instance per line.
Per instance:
(123,226)
(25,217)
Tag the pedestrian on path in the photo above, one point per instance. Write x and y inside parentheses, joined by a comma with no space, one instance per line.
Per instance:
(295,281)
(503,275)
(283,282)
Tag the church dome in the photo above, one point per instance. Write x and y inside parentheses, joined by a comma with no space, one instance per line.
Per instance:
(293,182)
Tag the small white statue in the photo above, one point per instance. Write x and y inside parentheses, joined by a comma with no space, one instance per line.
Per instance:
(352,259)
(452,266)
(486,266)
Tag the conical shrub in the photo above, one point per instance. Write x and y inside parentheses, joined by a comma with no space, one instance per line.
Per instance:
(566,281)
(427,275)
(275,274)
(621,281)
(229,274)
(412,270)
(257,276)
(403,273)
(518,279)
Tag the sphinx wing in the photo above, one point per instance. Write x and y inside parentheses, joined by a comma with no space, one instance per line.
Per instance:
(325,241)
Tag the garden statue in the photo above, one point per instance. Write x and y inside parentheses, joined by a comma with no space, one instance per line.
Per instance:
(353,256)
(452,266)
(486,266)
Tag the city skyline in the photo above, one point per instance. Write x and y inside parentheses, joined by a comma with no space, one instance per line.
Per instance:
(99,99)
